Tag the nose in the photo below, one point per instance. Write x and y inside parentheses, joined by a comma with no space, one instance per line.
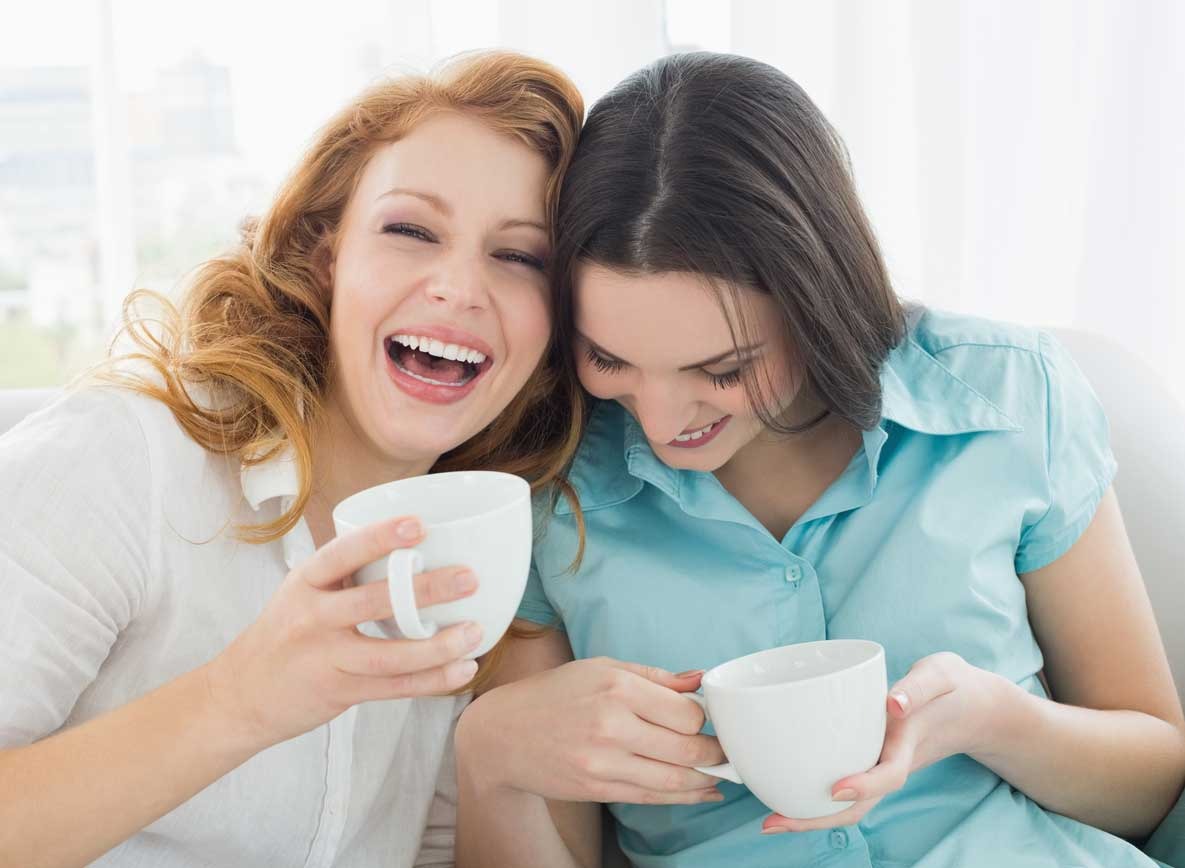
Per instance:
(460,284)
(662,411)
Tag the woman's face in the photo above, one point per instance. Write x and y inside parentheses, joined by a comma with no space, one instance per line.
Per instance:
(439,309)
(660,345)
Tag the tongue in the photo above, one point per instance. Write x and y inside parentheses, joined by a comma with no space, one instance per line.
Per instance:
(433,367)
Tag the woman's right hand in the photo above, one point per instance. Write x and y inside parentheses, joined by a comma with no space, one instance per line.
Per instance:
(596,730)
(303,661)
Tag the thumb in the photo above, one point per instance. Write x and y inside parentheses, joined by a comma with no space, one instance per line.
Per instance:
(682,682)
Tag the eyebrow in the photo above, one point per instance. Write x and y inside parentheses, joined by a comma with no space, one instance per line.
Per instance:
(444,208)
(739,352)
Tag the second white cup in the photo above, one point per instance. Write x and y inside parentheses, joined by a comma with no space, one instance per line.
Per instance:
(475,519)
(795,720)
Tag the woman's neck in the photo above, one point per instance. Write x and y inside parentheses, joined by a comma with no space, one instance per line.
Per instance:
(779,477)
(344,463)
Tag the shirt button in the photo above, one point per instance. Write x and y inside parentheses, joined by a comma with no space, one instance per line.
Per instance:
(794,574)
(839,839)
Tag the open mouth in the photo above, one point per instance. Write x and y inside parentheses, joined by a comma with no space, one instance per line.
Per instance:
(434,362)
(701,436)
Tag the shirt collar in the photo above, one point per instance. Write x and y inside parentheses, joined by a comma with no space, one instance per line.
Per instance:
(917,392)
(267,480)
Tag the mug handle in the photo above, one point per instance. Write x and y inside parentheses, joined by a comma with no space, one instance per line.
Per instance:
(402,566)
(724,770)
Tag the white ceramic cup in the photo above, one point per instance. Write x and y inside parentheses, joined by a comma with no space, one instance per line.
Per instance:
(475,519)
(794,720)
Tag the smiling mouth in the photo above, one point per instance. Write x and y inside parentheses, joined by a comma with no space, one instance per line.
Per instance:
(435,362)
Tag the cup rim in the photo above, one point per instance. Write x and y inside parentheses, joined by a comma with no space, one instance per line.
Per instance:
(525,494)
(711,678)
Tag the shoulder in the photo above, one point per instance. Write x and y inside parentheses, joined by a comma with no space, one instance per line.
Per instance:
(87,430)
(1011,365)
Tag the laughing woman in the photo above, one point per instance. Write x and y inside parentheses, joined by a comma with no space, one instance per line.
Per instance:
(181,678)
(782,452)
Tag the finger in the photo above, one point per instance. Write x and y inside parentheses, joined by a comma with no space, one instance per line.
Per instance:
(349,552)
(665,745)
(663,707)
(926,681)
(390,658)
(880,780)
(372,601)
(430,682)
(775,823)
(682,682)
(638,688)
(657,776)
(634,795)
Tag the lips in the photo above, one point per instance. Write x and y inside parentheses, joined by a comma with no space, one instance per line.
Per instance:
(700,437)
(436,364)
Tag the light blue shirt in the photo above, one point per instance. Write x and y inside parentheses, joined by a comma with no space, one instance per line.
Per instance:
(989,461)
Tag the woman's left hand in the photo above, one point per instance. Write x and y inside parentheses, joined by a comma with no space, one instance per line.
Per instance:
(940,708)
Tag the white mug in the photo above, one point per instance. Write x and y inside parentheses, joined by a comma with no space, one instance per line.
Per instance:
(475,519)
(794,720)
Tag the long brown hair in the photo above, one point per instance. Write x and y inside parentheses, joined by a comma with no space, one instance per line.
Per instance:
(252,328)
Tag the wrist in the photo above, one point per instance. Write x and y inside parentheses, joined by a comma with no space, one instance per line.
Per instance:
(1005,714)
(477,760)
(224,722)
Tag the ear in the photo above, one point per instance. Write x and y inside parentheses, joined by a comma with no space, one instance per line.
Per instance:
(324,261)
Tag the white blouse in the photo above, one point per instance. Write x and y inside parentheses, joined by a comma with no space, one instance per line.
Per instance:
(119,571)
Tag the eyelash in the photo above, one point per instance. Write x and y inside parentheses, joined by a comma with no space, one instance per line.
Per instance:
(612,366)
(515,257)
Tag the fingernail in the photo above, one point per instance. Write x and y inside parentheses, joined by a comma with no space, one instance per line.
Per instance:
(901,699)
(773,830)
(714,795)
(689,673)
(847,794)
(408,529)
(461,671)
(464,582)
(472,634)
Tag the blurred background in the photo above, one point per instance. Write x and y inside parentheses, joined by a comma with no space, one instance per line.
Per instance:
(1020,159)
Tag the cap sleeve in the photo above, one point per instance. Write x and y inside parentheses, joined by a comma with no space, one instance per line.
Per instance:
(1079,464)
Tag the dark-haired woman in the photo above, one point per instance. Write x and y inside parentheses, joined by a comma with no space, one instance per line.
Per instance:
(781,451)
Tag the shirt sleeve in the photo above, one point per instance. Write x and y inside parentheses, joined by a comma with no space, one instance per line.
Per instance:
(535,606)
(76,521)
(1079,464)
(438,846)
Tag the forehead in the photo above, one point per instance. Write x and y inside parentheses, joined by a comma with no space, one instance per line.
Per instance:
(462,160)
(646,315)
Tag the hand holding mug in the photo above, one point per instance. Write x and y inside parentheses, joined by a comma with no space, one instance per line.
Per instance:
(303,662)
(935,711)
(481,519)
(595,730)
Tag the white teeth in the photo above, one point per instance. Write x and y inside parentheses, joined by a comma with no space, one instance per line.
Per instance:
(694,435)
(440,349)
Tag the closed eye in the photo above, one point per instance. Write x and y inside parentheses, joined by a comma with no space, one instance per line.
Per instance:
(727,380)
(519,258)
(602,364)
(410,230)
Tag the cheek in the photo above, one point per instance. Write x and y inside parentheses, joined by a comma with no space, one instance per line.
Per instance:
(527,326)
(597,383)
